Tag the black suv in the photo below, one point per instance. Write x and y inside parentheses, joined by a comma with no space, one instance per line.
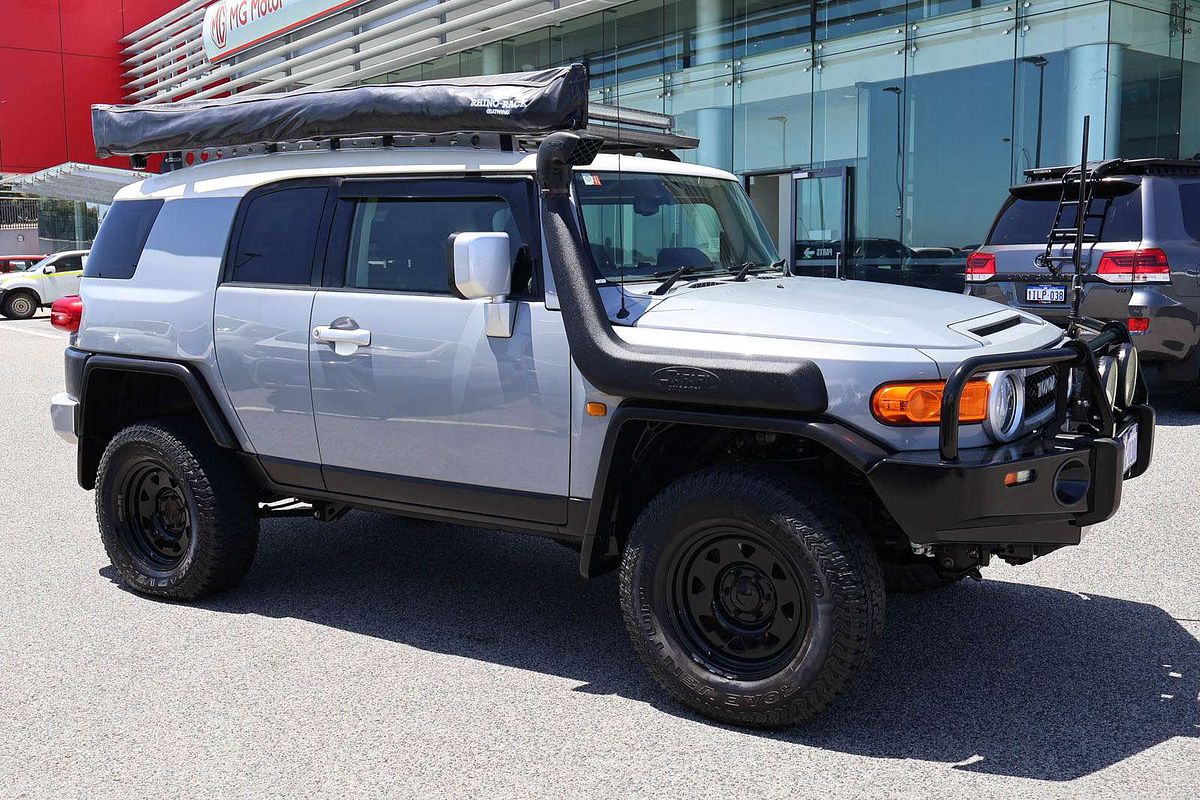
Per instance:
(1142,256)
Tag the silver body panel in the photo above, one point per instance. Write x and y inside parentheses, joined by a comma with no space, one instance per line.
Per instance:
(434,397)
(261,335)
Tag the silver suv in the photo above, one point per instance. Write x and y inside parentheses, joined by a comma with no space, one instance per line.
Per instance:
(1142,258)
(558,337)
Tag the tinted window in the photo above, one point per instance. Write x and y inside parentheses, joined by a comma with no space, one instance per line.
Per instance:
(1189,201)
(278,238)
(1027,220)
(120,240)
(69,264)
(402,244)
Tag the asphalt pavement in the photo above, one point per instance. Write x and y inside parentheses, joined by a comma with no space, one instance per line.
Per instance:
(377,656)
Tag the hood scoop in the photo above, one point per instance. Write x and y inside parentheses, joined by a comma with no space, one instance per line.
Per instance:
(992,327)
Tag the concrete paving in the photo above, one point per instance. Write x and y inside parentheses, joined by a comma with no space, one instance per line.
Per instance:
(382,657)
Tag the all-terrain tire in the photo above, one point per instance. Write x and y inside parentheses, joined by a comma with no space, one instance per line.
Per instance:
(797,534)
(176,512)
(19,305)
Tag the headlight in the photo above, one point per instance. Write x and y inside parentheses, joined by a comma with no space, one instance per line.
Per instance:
(1127,373)
(1109,379)
(1006,406)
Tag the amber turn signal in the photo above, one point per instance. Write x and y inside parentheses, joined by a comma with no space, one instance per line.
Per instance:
(596,409)
(920,402)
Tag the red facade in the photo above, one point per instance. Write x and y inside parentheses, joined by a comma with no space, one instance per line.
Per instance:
(57,57)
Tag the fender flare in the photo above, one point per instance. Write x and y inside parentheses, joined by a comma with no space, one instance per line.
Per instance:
(90,364)
(855,448)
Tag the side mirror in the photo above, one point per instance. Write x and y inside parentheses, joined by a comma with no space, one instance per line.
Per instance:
(481,267)
(49,269)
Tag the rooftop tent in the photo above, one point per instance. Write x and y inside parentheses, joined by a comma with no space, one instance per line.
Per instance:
(524,103)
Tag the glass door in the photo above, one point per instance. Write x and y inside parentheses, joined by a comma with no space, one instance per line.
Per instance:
(820,221)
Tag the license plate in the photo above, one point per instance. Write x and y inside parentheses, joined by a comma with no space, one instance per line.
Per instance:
(1045,294)
(1130,439)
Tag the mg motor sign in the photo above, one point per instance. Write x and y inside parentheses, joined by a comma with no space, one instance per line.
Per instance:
(231,26)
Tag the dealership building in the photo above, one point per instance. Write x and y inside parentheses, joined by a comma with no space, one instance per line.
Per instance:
(867,131)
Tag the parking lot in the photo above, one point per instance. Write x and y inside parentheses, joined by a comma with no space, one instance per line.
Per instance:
(379,656)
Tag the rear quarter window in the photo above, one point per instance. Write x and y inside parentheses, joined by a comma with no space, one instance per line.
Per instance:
(1027,220)
(1189,204)
(121,239)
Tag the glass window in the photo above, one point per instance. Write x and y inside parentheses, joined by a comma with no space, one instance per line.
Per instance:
(69,264)
(402,244)
(279,236)
(1189,202)
(1027,220)
(643,226)
(122,237)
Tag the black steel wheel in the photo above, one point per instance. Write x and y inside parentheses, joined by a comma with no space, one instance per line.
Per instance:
(738,602)
(156,518)
(176,512)
(752,595)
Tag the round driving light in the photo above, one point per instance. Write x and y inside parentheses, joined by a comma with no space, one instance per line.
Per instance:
(1006,406)
(1127,373)
(1109,379)
(1071,482)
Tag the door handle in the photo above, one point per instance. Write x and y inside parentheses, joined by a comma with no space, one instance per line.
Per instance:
(344,340)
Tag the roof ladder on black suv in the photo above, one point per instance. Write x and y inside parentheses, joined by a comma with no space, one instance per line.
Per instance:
(1086,175)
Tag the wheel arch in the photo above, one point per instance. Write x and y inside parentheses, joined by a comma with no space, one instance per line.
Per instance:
(620,458)
(115,391)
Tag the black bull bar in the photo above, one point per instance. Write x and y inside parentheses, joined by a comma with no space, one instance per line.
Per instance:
(1072,354)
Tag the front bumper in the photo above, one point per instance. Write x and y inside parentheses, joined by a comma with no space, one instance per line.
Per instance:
(1045,489)
(64,416)
(967,500)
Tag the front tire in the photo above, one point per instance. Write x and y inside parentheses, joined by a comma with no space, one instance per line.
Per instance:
(176,515)
(753,597)
(19,305)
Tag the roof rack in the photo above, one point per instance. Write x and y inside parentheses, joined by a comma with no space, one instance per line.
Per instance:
(1133,166)
(508,112)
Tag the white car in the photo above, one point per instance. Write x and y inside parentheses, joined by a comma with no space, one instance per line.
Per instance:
(23,293)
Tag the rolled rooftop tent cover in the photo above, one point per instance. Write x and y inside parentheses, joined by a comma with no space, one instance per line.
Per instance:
(521,103)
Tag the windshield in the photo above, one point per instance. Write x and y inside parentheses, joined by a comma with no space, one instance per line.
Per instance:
(642,226)
(36,265)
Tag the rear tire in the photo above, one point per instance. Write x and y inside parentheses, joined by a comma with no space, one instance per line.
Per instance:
(176,513)
(752,597)
(19,305)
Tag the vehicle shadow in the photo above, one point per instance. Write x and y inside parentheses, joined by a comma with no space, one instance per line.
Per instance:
(1172,409)
(994,677)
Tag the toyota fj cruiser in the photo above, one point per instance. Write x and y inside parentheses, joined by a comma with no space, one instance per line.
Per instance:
(547,324)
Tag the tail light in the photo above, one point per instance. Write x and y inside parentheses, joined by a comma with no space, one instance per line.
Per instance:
(1138,324)
(980,267)
(67,313)
(1135,266)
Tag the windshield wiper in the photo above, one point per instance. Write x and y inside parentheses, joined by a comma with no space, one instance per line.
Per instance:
(672,278)
(744,268)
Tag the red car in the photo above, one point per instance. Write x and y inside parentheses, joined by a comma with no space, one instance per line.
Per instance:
(18,263)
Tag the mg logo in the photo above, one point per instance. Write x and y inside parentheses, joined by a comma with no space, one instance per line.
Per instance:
(218,28)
